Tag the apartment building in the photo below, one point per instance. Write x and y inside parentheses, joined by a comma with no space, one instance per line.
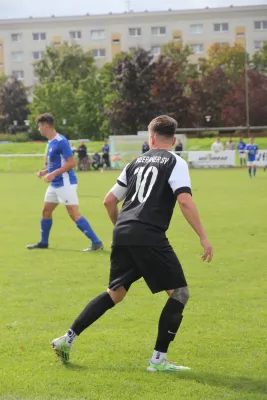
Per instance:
(23,41)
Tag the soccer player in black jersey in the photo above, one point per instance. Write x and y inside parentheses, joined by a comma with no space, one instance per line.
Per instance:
(150,187)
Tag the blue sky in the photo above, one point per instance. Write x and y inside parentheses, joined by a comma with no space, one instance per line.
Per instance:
(35,8)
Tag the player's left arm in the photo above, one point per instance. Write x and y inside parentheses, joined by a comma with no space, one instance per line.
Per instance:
(116,194)
(69,161)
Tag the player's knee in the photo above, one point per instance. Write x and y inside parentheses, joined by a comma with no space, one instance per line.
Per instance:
(73,213)
(181,295)
(117,295)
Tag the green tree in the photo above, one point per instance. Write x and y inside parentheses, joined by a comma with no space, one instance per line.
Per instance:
(69,62)
(232,59)
(13,101)
(57,97)
(90,107)
(259,59)
(180,56)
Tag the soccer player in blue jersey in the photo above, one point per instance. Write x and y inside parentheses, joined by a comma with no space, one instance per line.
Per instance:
(252,150)
(241,148)
(63,185)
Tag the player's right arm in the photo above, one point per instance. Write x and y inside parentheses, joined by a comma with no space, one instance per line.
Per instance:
(180,183)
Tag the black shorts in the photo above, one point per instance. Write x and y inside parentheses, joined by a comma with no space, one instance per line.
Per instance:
(159,266)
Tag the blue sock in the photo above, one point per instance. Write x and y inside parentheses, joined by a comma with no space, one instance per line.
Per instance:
(85,227)
(249,171)
(46,225)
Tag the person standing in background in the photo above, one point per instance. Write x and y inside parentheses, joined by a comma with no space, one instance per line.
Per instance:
(179,148)
(105,146)
(241,148)
(230,144)
(145,147)
(217,146)
(252,150)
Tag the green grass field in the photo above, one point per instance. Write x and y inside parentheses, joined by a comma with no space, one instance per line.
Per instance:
(223,335)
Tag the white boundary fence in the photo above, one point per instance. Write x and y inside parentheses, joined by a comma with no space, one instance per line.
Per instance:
(195,159)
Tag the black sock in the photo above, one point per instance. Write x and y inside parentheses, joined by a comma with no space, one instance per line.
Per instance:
(169,322)
(94,310)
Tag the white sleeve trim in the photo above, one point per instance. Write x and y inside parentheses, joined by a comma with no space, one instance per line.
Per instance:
(119,191)
(123,177)
(180,177)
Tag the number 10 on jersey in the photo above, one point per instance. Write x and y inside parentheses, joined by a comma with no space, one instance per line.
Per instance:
(142,180)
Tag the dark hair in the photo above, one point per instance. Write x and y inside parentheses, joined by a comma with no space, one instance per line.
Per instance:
(46,118)
(164,125)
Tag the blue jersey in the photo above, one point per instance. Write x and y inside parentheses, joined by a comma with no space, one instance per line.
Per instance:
(241,147)
(57,152)
(252,151)
(105,147)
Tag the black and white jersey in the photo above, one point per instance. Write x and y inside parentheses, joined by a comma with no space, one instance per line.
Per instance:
(150,185)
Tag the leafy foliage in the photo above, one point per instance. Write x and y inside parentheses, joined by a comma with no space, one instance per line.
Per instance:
(69,62)
(59,98)
(234,110)
(13,101)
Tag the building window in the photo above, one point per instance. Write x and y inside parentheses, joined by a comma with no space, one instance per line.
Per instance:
(1,65)
(38,55)
(1,46)
(155,51)
(56,44)
(197,48)
(75,35)
(135,32)
(196,29)
(223,27)
(158,31)
(99,53)
(258,44)
(39,36)
(260,25)
(17,56)
(35,75)
(98,34)
(240,35)
(116,41)
(177,37)
(18,74)
(16,37)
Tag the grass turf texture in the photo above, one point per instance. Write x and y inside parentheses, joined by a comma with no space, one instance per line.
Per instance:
(223,335)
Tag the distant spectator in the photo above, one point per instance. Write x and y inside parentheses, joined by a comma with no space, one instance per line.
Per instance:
(73,148)
(217,146)
(179,148)
(83,159)
(96,161)
(105,147)
(241,147)
(105,160)
(145,147)
(230,144)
